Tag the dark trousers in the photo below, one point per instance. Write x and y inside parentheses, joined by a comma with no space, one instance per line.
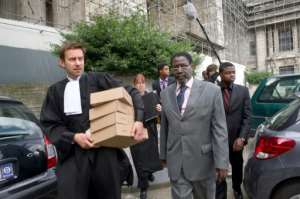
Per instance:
(236,161)
(87,179)
(143,179)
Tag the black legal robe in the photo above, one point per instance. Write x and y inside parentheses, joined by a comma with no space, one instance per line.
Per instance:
(92,167)
(145,155)
(60,128)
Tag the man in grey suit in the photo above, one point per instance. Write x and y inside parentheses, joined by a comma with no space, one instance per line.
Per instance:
(194,138)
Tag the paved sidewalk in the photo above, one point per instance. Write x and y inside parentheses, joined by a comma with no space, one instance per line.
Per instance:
(163,191)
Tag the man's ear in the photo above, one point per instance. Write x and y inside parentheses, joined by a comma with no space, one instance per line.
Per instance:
(61,63)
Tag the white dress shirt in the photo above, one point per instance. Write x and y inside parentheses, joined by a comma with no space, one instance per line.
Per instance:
(72,99)
(187,93)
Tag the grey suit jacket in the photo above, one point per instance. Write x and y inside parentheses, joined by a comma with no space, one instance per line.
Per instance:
(196,141)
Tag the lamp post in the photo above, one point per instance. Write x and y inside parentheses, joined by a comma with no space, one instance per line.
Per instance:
(191,13)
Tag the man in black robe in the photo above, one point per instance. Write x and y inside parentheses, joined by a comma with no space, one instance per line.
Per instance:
(82,171)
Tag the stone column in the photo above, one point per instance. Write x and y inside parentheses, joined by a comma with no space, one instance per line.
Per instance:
(33,11)
(77,11)
(270,41)
(8,9)
(61,13)
(276,40)
(261,50)
(295,37)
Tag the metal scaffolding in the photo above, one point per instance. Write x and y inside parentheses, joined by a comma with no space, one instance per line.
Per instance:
(224,20)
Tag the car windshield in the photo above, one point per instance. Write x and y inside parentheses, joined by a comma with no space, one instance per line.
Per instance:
(286,117)
(16,110)
(16,120)
(16,127)
(280,90)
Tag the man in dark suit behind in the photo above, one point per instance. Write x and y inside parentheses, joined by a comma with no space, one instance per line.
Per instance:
(237,107)
(164,79)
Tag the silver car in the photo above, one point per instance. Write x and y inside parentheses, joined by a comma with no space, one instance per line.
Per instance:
(273,168)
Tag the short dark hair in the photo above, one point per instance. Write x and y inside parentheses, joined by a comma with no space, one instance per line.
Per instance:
(69,45)
(182,54)
(224,65)
(161,66)
(212,67)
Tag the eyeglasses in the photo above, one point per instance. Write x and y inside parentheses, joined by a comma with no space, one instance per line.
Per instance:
(183,66)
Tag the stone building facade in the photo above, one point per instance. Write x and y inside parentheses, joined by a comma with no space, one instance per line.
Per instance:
(274,29)
(225,22)
(63,14)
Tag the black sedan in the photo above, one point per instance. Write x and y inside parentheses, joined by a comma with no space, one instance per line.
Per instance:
(27,159)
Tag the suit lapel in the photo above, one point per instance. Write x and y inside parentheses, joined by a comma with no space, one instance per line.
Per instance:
(171,80)
(172,96)
(158,86)
(233,96)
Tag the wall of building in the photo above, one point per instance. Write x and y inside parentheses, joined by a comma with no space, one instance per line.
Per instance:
(267,21)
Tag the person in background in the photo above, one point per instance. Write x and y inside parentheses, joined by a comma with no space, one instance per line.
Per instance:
(145,155)
(164,79)
(212,73)
(204,75)
(236,100)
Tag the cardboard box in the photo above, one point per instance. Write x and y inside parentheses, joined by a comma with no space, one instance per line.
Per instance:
(116,136)
(115,118)
(109,95)
(110,107)
(112,118)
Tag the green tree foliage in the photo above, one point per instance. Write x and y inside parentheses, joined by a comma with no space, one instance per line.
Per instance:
(256,77)
(125,45)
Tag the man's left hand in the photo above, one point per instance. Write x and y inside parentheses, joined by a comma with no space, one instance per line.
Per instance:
(221,174)
(238,144)
(138,131)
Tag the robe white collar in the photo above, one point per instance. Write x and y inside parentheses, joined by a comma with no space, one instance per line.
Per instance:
(72,99)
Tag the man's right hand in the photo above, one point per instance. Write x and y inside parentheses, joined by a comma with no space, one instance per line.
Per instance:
(83,140)
(163,163)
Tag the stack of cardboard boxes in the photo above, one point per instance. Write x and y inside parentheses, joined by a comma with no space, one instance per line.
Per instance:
(112,118)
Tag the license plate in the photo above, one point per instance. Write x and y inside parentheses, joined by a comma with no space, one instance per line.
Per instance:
(6,171)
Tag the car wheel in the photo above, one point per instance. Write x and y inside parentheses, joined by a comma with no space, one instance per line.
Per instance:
(289,191)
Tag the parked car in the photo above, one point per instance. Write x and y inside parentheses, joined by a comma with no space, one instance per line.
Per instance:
(271,95)
(27,159)
(273,169)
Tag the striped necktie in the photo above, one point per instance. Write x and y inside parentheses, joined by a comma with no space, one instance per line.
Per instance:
(180,96)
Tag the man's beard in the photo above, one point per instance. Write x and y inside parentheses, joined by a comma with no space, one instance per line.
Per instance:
(182,78)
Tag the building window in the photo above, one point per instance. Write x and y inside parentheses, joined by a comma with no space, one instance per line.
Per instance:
(286,70)
(49,13)
(252,48)
(285,34)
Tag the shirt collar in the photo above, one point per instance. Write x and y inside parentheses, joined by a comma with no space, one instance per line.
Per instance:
(163,80)
(223,86)
(70,79)
(189,84)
